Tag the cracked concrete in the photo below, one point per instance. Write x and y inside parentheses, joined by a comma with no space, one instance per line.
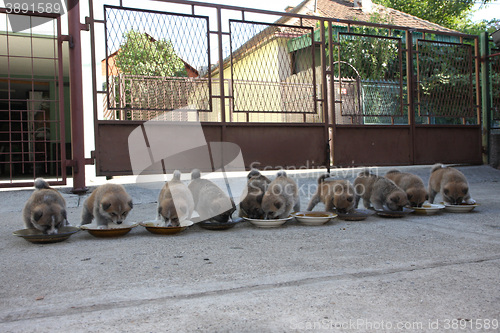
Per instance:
(381,274)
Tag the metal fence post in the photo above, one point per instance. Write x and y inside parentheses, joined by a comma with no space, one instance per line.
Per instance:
(485,95)
(76,98)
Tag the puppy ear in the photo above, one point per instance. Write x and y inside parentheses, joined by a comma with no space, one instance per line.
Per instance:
(277,204)
(159,210)
(395,199)
(426,197)
(131,204)
(409,196)
(64,214)
(105,205)
(37,215)
(465,190)
(446,191)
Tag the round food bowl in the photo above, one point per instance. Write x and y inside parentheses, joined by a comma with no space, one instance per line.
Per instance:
(427,209)
(214,225)
(268,223)
(356,215)
(38,237)
(115,230)
(394,213)
(462,208)
(156,227)
(313,218)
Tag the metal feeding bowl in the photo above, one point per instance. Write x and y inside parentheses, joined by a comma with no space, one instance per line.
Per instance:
(159,228)
(215,225)
(38,237)
(112,231)
(314,218)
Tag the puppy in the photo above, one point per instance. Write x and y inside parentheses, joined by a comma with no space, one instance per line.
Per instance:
(210,202)
(175,202)
(251,203)
(452,185)
(109,203)
(335,194)
(379,192)
(281,198)
(45,210)
(413,186)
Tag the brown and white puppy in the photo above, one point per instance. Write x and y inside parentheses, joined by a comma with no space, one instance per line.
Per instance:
(452,185)
(108,203)
(251,203)
(281,197)
(210,202)
(175,202)
(412,184)
(45,210)
(335,194)
(379,192)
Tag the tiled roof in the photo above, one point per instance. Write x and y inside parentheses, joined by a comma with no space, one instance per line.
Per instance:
(344,10)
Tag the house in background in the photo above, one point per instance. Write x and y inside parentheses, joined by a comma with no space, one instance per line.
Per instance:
(275,68)
(147,92)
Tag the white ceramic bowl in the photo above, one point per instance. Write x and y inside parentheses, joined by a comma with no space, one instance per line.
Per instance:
(464,208)
(314,218)
(268,223)
(427,209)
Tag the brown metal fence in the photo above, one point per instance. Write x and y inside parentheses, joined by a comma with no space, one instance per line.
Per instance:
(366,87)
(495,88)
(32,131)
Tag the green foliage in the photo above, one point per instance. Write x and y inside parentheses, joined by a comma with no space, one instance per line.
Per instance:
(140,54)
(447,13)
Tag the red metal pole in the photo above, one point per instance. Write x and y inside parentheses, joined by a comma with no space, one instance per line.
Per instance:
(76,97)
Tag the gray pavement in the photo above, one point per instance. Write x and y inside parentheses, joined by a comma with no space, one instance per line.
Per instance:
(414,274)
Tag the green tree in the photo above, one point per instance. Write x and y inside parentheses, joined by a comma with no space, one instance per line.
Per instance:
(140,54)
(447,13)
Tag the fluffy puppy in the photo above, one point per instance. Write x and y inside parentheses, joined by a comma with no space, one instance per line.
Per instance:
(451,183)
(109,203)
(251,203)
(379,192)
(413,186)
(281,197)
(45,210)
(335,194)
(210,202)
(175,202)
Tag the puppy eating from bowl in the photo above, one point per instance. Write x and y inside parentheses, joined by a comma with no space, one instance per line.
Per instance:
(281,198)
(451,183)
(412,184)
(251,203)
(335,194)
(379,192)
(175,202)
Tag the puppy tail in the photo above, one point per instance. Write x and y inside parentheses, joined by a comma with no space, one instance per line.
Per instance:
(437,166)
(40,184)
(176,175)
(281,173)
(253,173)
(322,178)
(195,174)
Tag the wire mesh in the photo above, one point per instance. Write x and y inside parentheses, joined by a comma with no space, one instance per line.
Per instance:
(445,87)
(273,68)
(155,62)
(495,89)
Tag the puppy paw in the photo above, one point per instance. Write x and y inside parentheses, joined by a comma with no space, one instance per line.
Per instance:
(102,227)
(470,201)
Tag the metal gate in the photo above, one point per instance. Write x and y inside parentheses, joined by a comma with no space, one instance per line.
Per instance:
(298,92)
(32,122)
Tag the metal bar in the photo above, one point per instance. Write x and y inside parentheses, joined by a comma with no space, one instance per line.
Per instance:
(62,116)
(485,95)
(94,74)
(410,83)
(77,131)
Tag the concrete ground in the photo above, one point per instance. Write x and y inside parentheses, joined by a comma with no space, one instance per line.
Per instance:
(412,274)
